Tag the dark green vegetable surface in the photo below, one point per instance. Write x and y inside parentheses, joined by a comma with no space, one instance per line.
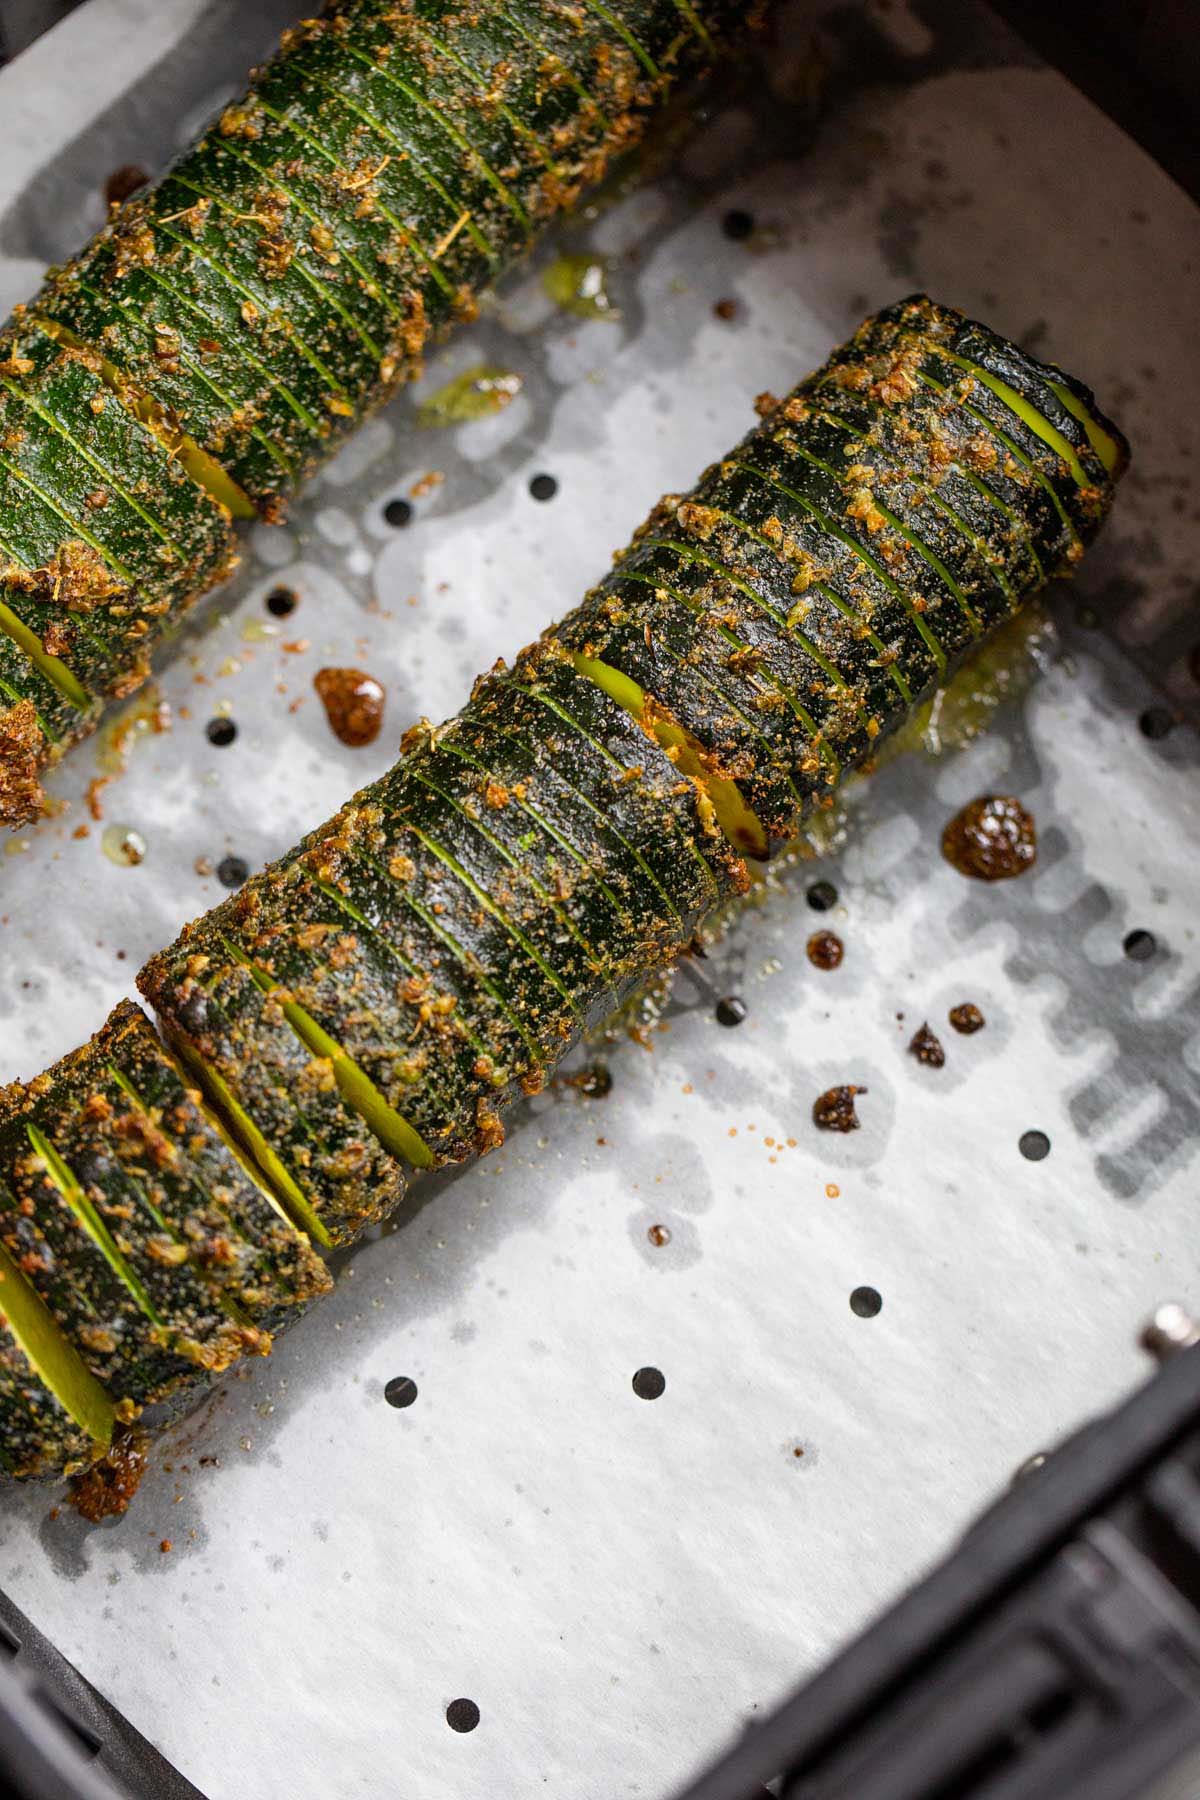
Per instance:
(234,322)
(369,1006)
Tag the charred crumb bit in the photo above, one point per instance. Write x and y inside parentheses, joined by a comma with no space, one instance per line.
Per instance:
(726,309)
(123,183)
(731,1010)
(738,224)
(966,1018)
(822,896)
(927,1048)
(281,601)
(543,487)
(825,950)
(353,702)
(105,1490)
(834,1109)
(220,732)
(993,838)
(398,513)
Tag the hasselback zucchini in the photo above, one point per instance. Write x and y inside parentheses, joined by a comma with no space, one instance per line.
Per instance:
(235,321)
(370,1004)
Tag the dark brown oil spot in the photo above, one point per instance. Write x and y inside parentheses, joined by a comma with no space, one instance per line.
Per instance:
(105,1490)
(124,182)
(595,1081)
(353,703)
(927,1048)
(966,1018)
(834,1109)
(992,839)
(825,950)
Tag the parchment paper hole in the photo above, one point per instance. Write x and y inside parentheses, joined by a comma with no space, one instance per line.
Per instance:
(1139,946)
(649,1384)
(462,1715)
(866,1302)
(1034,1145)
(401,1390)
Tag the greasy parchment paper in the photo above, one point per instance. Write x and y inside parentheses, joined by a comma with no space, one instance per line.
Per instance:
(619,1583)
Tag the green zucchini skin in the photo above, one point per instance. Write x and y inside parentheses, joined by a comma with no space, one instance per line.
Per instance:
(154,1126)
(86,1298)
(113,481)
(222,1021)
(38,1437)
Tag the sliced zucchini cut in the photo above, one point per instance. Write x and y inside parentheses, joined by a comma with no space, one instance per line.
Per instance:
(56,1415)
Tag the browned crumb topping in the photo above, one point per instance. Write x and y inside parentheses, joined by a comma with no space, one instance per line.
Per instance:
(105,1490)
(23,755)
(966,1018)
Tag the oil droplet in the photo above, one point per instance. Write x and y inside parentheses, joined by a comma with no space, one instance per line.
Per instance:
(123,845)
(579,284)
(353,703)
(258,631)
(475,394)
(149,713)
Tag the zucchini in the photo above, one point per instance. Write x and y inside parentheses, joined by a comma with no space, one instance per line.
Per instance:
(232,323)
(372,1002)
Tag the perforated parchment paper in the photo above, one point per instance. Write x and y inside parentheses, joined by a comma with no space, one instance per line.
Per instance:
(616,1582)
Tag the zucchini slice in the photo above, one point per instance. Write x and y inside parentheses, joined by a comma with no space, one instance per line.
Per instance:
(54,1417)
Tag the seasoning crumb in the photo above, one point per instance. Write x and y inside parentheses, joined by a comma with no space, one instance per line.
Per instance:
(426,485)
(105,1490)
(203,865)
(993,838)
(166,1546)
(927,1048)
(834,1109)
(825,950)
(966,1018)
(726,309)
